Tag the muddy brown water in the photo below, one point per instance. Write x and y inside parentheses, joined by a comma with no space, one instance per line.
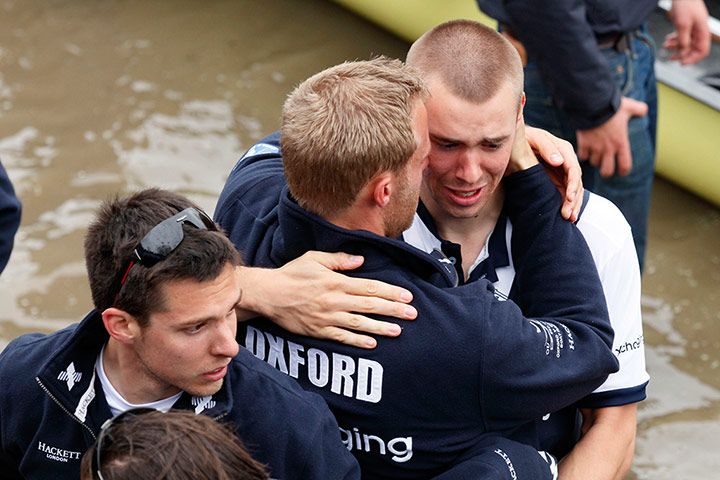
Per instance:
(103,96)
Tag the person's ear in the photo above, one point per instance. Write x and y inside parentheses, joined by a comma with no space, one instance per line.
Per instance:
(382,188)
(121,326)
(522,107)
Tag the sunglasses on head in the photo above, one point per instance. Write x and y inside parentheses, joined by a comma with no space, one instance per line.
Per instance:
(164,238)
(105,439)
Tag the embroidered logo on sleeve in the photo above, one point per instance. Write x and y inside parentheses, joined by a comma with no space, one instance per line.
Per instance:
(261,149)
(508,462)
(70,376)
(257,149)
(554,339)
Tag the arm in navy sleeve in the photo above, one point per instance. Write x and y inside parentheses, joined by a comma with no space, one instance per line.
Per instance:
(556,347)
(8,466)
(328,458)
(498,458)
(10,454)
(10,210)
(247,206)
(559,39)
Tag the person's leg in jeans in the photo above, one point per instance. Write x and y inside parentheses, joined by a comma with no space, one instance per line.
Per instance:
(633,72)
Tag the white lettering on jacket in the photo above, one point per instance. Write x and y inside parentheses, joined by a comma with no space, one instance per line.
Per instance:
(361,379)
(87,397)
(58,454)
(508,462)
(400,448)
(554,340)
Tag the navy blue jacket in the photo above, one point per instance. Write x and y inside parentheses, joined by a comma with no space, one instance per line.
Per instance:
(561,38)
(52,406)
(420,403)
(10,210)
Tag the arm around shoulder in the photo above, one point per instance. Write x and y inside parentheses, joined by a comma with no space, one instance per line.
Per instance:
(308,297)
(556,347)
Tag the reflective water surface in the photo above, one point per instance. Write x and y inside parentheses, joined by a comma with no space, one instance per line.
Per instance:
(103,96)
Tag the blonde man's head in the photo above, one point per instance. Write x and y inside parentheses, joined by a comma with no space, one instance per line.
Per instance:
(472,60)
(343,126)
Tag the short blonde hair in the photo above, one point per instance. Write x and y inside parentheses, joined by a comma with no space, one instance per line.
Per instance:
(343,126)
(471,59)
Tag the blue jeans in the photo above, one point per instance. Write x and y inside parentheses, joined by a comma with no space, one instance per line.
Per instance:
(634,74)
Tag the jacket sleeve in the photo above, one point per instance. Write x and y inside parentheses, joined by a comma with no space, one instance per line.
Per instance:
(327,456)
(10,453)
(247,206)
(554,346)
(10,210)
(8,468)
(559,39)
(498,458)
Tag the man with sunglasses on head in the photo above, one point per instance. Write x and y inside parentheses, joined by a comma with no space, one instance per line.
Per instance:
(165,285)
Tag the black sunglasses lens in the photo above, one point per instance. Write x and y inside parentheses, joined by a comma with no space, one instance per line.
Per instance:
(168,234)
(207,221)
(197,218)
(163,238)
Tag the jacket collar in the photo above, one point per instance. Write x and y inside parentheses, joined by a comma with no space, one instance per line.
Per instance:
(498,255)
(497,249)
(300,231)
(68,376)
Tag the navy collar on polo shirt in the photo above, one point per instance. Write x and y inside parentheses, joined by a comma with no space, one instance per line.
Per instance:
(497,250)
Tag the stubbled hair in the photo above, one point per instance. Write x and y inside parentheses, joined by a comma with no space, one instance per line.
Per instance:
(119,226)
(343,126)
(471,59)
(178,445)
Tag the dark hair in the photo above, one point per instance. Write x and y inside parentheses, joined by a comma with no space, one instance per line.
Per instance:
(119,226)
(178,445)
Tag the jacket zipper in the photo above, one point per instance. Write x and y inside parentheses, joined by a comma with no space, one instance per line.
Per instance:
(37,379)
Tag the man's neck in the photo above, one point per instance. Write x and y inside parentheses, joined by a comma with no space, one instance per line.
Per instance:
(357,219)
(129,377)
(470,233)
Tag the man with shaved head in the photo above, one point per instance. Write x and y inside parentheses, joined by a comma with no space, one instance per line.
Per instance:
(475,79)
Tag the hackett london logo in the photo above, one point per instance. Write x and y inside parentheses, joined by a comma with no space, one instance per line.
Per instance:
(58,454)
(70,376)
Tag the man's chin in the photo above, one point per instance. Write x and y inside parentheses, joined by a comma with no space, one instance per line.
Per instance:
(207,390)
(396,230)
(455,211)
